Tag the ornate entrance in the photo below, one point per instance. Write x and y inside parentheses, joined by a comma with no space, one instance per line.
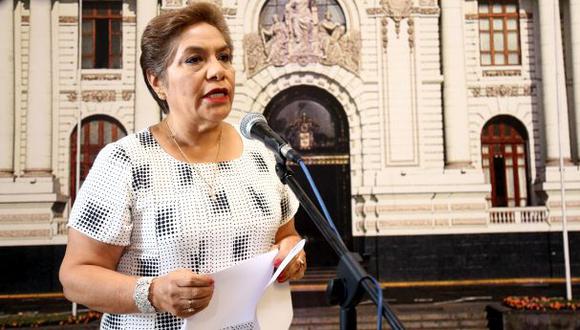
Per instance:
(315,124)
(504,155)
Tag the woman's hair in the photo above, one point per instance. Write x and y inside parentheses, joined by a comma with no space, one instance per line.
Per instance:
(158,43)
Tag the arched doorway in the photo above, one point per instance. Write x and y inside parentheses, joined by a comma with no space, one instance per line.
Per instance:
(504,154)
(97,131)
(315,124)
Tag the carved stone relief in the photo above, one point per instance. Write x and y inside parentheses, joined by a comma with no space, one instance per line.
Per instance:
(299,37)
(99,96)
(398,11)
(503,90)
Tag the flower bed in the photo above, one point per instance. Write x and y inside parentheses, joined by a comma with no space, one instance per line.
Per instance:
(541,303)
(529,313)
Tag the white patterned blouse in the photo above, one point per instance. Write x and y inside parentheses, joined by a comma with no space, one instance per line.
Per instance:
(138,196)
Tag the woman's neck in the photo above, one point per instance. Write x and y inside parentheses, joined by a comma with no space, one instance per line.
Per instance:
(193,135)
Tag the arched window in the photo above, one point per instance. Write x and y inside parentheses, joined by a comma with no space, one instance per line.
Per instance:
(504,155)
(279,8)
(97,131)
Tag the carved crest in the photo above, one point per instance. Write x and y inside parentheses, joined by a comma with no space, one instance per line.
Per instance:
(397,10)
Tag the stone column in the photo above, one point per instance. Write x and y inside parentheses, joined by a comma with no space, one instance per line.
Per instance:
(7,87)
(39,115)
(575,34)
(553,82)
(454,85)
(146,109)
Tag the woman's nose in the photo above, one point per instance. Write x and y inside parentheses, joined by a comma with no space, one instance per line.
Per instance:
(215,70)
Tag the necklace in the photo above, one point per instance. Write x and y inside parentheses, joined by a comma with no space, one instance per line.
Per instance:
(210,184)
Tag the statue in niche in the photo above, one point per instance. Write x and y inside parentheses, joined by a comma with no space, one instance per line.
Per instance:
(275,40)
(300,37)
(300,20)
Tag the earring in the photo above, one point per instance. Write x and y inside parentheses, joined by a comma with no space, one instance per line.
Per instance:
(161,95)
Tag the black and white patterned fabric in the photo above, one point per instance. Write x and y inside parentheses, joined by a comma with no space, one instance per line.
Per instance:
(138,196)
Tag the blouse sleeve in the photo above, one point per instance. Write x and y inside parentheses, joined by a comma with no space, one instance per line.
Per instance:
(102,209)
(288,202)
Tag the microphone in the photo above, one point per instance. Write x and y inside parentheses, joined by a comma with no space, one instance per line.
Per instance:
(255,127)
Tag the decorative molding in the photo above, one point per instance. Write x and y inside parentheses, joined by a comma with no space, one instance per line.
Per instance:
(68,19)
(428,3)
(129,19)
(526,14)
(25,19)
(99,96)
(375,11)
(501,73)
(101,76)
(303,40)
(70,95)
(473,17)
(434,11)
(397,10)
(503,90)
(126,95)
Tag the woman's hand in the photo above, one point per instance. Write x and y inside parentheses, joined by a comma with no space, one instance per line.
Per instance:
(181,292)
(286,238)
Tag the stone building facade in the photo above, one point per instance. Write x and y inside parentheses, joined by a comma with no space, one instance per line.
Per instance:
(426,119)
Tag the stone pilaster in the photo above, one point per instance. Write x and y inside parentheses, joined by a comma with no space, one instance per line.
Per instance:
(146,109)
(553,82)
(575,36)
(7,87)
(39,115)
(454,85)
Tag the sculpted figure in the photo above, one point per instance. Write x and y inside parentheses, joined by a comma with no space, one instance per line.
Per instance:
(300,23)
(325,29)
(275,40)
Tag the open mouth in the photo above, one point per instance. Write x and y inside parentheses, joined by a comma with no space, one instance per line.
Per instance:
(217,94)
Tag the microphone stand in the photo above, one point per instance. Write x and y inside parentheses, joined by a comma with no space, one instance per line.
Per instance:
(352,280)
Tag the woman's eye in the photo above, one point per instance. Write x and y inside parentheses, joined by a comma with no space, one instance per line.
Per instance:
(193,60)
(225,57)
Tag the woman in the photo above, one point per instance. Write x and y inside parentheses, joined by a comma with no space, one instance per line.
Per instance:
(186,197)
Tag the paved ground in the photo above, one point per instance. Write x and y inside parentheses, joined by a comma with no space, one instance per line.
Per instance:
(395,296)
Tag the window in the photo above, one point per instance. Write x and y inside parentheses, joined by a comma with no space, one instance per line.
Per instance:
(504,158)
(97,131)
(102,37)
(499,31)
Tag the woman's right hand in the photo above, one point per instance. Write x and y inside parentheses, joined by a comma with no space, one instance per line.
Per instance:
(181,292)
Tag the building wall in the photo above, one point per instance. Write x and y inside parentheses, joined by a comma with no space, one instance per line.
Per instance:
(400,181)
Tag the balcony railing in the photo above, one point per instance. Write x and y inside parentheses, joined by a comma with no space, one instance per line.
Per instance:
(518,215)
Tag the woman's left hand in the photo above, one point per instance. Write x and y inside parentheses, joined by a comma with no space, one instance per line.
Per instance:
(296,268)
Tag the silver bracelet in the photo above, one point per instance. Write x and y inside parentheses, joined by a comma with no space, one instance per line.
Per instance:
(141,295)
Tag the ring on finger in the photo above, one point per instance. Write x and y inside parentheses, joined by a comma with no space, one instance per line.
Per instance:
(301,262)
(190,310)
(190,303)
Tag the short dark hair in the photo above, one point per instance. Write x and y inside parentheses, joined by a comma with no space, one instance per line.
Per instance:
(158,45)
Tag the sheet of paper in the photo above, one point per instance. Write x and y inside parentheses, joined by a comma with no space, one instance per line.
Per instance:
(237,292)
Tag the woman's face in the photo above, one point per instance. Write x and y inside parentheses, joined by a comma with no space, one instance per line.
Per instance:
(199,83)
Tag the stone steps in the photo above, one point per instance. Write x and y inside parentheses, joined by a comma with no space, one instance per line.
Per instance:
(469,316)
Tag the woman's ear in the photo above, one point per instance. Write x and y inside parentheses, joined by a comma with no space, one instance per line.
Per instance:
(157,85)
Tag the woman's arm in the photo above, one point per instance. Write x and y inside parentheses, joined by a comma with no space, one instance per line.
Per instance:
(286,238)
(89,277)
